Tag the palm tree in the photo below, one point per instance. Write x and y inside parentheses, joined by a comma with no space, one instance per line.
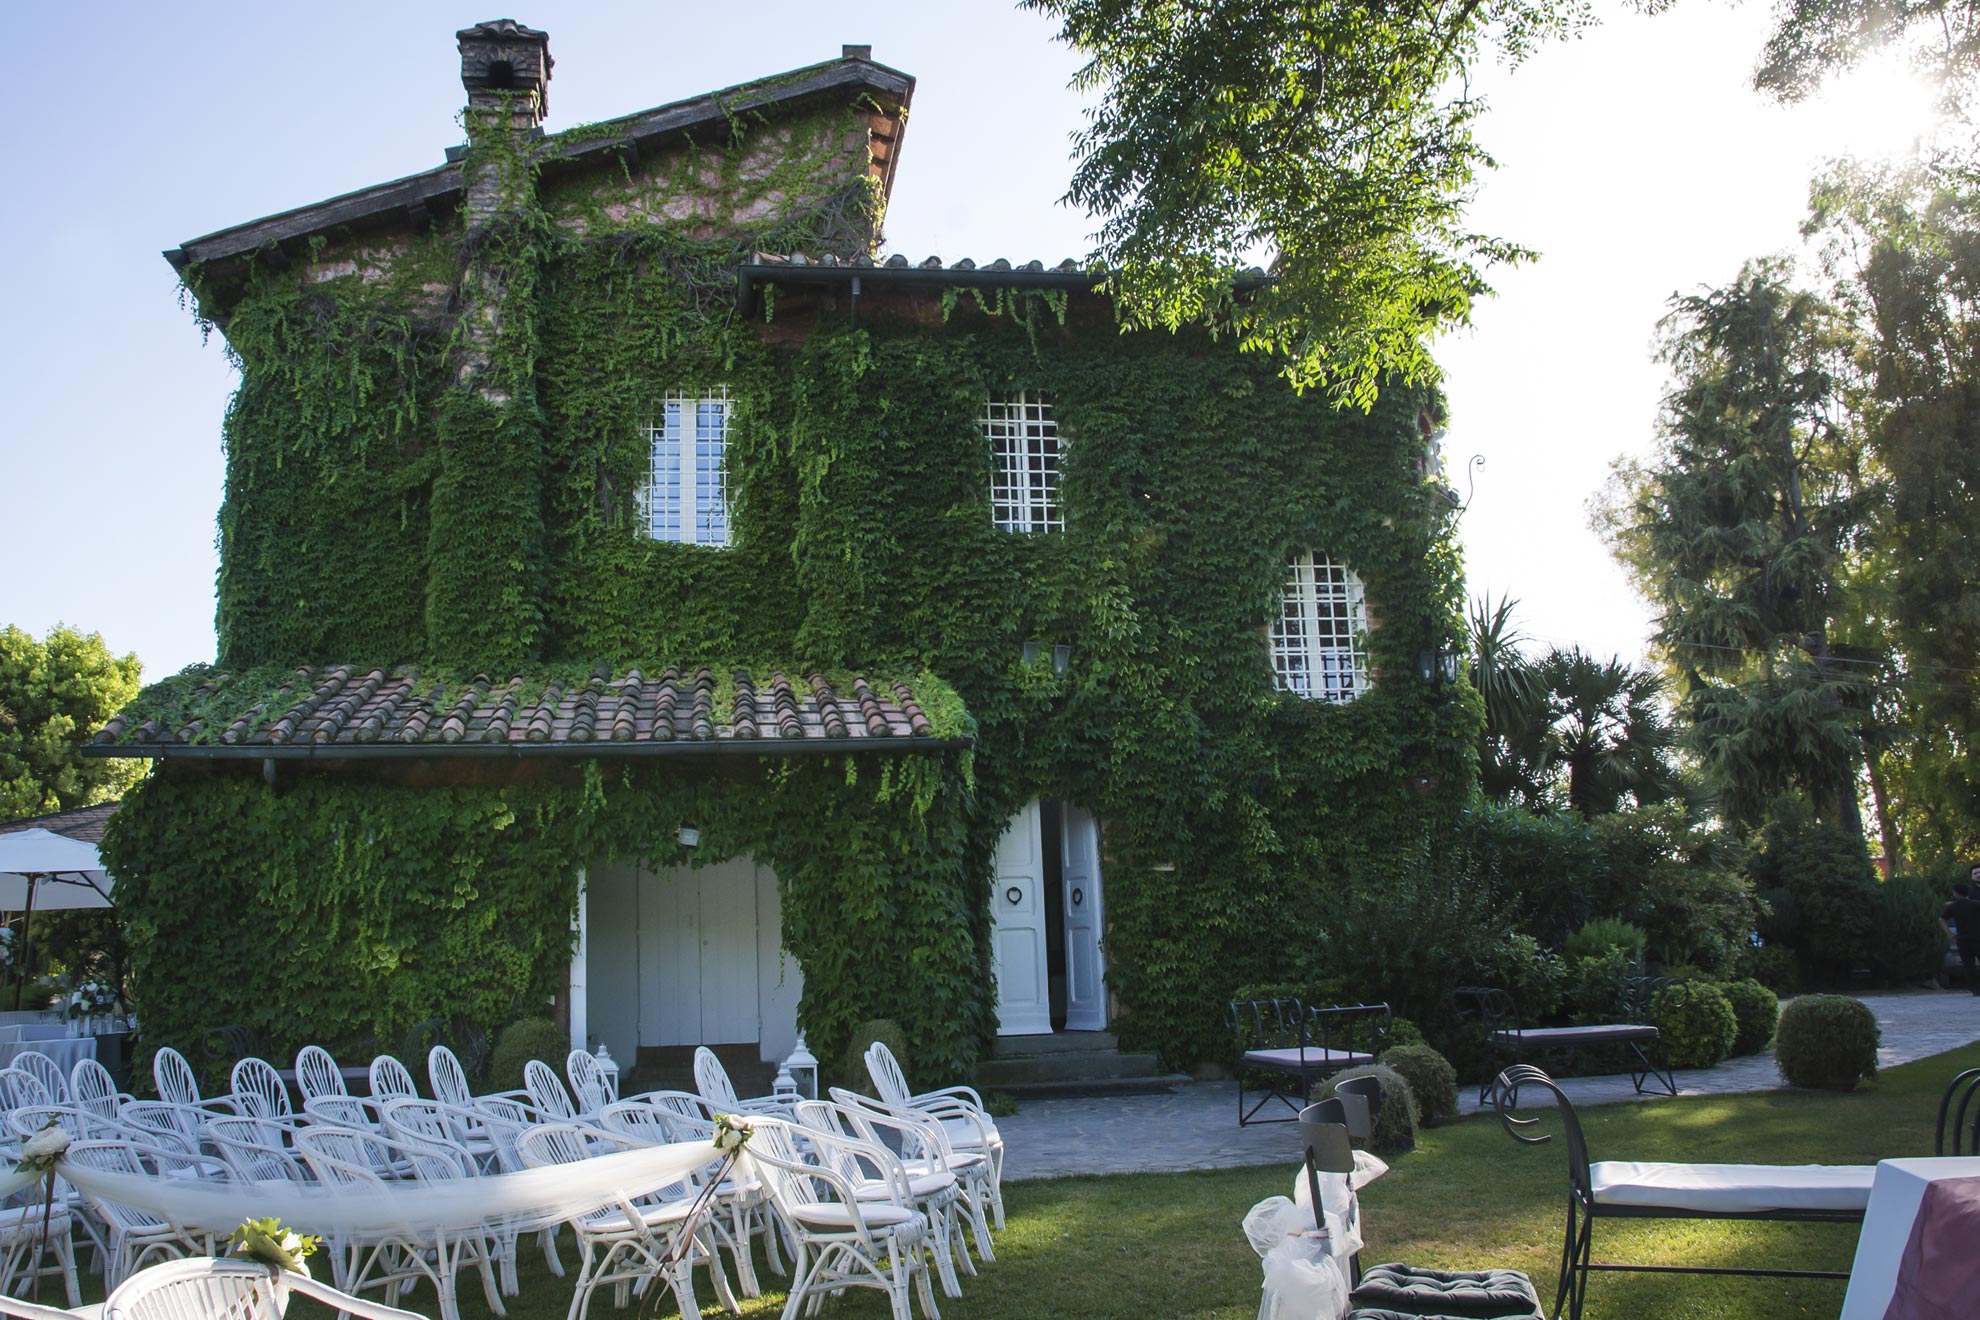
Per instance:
(1607,725)
(1512,749)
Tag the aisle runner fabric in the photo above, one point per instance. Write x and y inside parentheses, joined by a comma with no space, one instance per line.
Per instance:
(532,1198)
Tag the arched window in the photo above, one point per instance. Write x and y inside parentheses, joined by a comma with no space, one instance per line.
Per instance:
(1318,637)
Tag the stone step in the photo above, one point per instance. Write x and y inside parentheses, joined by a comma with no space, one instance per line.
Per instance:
(1078,1067)
(1058,1042)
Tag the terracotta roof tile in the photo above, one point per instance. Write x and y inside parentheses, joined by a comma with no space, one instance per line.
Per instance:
(339,706)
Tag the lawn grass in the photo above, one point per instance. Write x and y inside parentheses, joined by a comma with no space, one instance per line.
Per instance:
(1169,1246)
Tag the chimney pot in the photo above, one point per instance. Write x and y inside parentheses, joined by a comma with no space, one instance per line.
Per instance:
(856,52)
(504,63)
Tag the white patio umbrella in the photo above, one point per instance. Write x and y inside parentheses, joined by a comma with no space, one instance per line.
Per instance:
(45,870)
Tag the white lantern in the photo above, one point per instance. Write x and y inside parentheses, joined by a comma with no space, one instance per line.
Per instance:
(608,1071)
(801,1070)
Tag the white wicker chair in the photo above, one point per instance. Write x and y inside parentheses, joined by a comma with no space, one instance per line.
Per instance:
(227,1290)
(177,1085)
(94,1091)
(959,1109)
(317,1073)
(19,1087)
(391,1259)
(25,1254)
(135,1237)
(844,1240)
(934,1189)
(712,1080)
(259,1091)
(924,1146)
(505,1121)
(739,1199)
(588,1083)
(258,1149)
(46,1071)
(626,1241)
(391,1081)
(547,1095)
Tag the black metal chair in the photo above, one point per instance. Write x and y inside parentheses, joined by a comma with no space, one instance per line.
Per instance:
(1961,1104)
(232,1043)
(1290,1045)
(1591,1196)
(1324,1131)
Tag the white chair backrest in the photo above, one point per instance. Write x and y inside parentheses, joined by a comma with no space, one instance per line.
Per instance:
(94,1090)
(344,1157)
(20,1087)
(253,1148)
(184,1124)
(504,1121)
(712,1080)
(887,1076)
(185,1289)
(317,1073)
(27,1120)
(46,1071)
(390,1080)
(174,1077)
(450,1083)
(258,1089)
(346,1111)
(546,1092)
(567,1143)
(112,1157)
(790,1181)
(417,1120)
(587,1082)
(638,1121)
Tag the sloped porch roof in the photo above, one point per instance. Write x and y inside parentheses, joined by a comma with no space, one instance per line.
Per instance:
(351,712)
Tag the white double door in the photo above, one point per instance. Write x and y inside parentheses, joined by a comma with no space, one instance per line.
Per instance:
(1023,902)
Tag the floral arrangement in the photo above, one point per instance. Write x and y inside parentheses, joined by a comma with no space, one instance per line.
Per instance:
(267,1241)
(40,1151)
(92,999)
(732,1132)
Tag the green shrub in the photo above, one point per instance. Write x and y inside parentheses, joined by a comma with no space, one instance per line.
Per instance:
(1907,943)
(852,1067)
(1686,972)
(1826,1041)
(1403,1032)
(1529,971)
(1395,1117)
(1772,965)
(521,1041)
(1431,1080)
(1600,986)
(1697,1023)
(1756,1009)
(1829,888)
(1598,937)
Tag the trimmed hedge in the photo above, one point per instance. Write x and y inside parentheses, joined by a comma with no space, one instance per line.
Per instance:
(1757,1009)
(521,1041)
(1697,1023)
(1396,1117)
(1431,1080)
(1827,1042)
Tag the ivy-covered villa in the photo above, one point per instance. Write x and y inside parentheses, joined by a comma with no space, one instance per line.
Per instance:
(643,603)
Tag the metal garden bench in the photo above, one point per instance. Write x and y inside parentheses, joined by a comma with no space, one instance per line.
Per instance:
(1612,1189)
(1507,1042)
(1289,1045)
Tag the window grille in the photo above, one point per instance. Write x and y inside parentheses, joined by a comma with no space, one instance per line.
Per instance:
(687,496)
(1024,463)
(1317,639)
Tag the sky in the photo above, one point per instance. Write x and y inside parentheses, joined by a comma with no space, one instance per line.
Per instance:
(1635,159)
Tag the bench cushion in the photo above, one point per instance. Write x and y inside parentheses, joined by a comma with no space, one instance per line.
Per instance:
(1409,1290)
(1314,1058)
(1595,1035)
(1732,1188)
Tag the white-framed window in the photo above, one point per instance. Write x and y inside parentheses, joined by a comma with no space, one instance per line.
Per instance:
(686,497)
(1024,462)
(1318,637)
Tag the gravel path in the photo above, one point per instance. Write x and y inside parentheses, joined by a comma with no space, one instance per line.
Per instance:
(1195,1126)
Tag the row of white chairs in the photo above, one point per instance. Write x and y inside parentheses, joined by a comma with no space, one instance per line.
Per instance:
(864,1192)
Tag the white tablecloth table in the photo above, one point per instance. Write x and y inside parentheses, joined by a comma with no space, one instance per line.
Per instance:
(1895,1196)
(64,1049)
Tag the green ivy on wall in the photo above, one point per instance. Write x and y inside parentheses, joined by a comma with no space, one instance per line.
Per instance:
(378,513)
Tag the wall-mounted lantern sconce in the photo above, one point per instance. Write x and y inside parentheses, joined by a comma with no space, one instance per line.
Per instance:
(689,836)
(1061,658)
(1437,669)
(1029,653)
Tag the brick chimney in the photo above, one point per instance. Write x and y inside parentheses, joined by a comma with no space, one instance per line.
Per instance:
(505,65)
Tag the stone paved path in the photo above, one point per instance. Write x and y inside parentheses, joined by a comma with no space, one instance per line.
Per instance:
(1195,1126)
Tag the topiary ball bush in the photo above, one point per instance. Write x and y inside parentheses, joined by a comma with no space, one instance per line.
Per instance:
(521,1041)
(852,1066)
(1431,1080)
(1603,934)
(1696,1021)
(1827,1042)
(1404,1032)
(1756,1009)
(1395,1117)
